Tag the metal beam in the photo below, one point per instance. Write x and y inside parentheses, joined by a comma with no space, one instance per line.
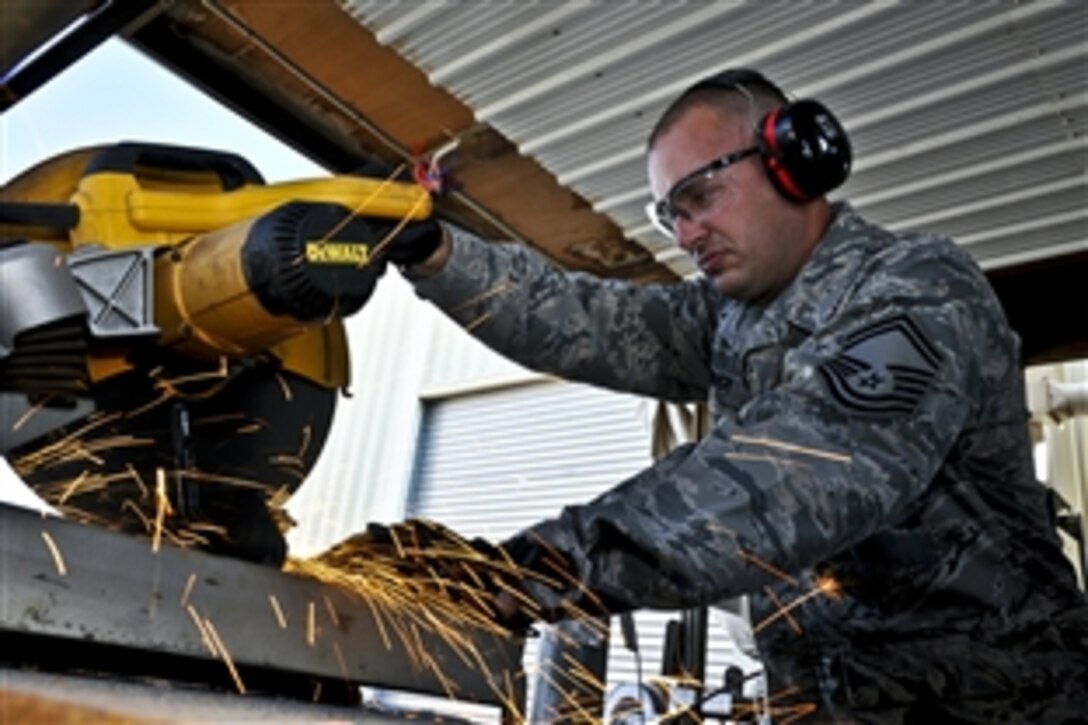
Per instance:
(96,28)
(85,586)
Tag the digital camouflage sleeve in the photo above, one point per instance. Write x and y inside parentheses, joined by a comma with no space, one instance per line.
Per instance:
(868,479)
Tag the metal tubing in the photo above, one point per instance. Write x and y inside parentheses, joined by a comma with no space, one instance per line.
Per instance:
(97,28)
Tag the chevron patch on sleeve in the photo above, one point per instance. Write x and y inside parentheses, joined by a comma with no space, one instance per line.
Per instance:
(883,369)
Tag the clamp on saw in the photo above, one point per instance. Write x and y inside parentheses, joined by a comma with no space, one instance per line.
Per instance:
(171,344)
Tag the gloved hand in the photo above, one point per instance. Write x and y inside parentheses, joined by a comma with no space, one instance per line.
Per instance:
(471,571)
(414,243)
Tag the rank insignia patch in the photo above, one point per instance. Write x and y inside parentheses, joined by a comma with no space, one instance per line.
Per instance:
(883,369)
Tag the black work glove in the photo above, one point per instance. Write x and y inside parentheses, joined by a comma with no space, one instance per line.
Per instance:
(414,243)
(471,572)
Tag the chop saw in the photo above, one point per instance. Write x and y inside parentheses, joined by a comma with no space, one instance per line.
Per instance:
(171,344)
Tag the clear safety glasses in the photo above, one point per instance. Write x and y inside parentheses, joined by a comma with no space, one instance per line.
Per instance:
(695,193)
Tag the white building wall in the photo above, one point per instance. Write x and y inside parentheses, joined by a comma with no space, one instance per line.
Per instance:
(401,350)
(1061,453)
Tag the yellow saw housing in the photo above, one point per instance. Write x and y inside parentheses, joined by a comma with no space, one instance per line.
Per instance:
(201,210)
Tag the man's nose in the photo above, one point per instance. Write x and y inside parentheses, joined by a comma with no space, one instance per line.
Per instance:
(688,234)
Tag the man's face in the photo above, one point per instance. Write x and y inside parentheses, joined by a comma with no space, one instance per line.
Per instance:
(741,232)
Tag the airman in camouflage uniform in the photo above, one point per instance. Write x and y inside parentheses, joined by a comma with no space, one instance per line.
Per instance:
(870,452)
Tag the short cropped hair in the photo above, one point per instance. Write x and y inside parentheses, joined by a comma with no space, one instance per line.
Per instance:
(733,92)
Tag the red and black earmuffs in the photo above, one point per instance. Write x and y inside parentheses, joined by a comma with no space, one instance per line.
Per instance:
(804,148)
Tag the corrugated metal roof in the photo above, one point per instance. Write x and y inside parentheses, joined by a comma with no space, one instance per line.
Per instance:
(967,118)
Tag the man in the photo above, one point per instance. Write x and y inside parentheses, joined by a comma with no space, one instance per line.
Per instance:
(868,479)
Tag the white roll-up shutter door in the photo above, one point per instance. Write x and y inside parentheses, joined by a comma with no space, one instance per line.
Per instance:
(494,462)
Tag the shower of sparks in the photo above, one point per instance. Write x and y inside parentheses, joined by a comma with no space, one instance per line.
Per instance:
(582,676)
(584,690)
(74,447)
(58,560)
(446,592)
(571,708)
(793,448)
(419,592)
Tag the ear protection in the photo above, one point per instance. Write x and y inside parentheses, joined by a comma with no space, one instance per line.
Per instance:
(804,148)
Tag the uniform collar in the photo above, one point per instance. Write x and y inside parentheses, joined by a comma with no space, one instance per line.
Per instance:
(830,272)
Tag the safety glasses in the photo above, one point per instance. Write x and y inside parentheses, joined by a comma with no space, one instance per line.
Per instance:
(695,193)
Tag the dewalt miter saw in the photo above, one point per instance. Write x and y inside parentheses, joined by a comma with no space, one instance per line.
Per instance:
(171,345)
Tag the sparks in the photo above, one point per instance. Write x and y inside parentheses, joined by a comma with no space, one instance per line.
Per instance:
(498,289)
(71,489)
(341,662)
(332,612)
(281,620)
(362,205)
(793,448)
(34,409)
(829,586)
(58,560)
(202,628)
(407,604)
(825,586)
(225,655)
(311,624)
(219,373)
(470,326)
(187,592)
(381,245)
(769,568)
(161,509)
(778,603)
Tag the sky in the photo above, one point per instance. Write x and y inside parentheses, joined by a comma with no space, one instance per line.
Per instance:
(118,94)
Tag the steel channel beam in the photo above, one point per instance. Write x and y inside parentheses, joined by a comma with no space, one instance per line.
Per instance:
(116,591)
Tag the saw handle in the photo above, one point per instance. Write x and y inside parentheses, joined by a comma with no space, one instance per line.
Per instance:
(232,170)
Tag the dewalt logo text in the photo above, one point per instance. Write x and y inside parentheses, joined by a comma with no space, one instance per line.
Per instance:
(322,252)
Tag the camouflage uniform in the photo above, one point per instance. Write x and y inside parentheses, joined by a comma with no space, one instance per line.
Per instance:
(870,443)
